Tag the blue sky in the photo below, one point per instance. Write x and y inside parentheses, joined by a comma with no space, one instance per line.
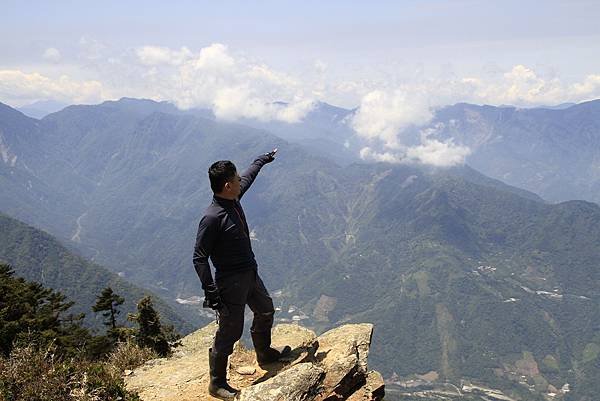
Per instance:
(286,33)
(395,60)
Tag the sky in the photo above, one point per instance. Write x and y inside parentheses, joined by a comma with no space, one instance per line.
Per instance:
(397,61)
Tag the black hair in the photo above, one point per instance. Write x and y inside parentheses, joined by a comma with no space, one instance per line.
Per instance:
(219,173)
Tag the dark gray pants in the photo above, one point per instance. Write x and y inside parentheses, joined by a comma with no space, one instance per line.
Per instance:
(236,292)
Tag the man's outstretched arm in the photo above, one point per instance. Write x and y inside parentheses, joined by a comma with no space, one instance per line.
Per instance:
(250,174)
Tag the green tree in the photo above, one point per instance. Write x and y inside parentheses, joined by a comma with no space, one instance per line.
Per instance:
(31,313)
(151,333)
(107,302)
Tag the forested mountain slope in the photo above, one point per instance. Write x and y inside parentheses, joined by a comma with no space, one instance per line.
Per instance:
(37,256)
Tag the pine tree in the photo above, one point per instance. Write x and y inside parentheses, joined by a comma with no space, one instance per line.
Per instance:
(30,312)
(107,302)
(151,333)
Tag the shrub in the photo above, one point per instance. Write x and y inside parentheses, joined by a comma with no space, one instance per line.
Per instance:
(128,355)
(33,374)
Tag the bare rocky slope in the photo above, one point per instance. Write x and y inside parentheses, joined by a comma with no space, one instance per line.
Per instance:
(330,367)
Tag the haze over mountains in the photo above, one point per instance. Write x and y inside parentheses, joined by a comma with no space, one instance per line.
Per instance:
(462,274)
(41,109)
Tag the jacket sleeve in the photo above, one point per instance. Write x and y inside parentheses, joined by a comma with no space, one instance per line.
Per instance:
(250,174)
(205,240)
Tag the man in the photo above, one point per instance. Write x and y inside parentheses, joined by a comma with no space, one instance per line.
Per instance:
(223,236)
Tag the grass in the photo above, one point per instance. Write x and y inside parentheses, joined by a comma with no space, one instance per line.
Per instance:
(34,374)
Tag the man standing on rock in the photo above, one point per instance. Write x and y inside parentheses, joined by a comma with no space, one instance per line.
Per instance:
(223,236)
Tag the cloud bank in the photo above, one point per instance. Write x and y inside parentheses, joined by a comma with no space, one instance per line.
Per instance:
(234,86)
(154,55)
(20,87)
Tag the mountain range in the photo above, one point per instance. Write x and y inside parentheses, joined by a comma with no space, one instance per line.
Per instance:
(464,276)
(552,151)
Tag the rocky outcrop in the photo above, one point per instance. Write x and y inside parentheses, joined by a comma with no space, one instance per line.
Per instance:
(299,383)
(343,354)
(330,367)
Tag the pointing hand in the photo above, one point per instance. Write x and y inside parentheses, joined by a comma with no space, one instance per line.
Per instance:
(271,155)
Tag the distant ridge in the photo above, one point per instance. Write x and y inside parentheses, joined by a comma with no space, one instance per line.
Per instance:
(42,108)
(561,106)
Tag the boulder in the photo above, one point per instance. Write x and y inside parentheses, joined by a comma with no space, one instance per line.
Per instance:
(343,352)
(299,383)
(293,335)
(302,341)
(373,390)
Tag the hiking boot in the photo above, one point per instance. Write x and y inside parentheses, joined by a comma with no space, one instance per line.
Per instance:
(265,354)
(218,386)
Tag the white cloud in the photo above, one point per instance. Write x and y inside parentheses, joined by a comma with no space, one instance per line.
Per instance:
(231,102)
(382,118)
(214,58)
(383,114)
(430,151)
(295,111)
(20,88)
(436,153)
(155,55)
(367,153)
(523,87)
(236,86)
(234,102)
(588,89)
(520,86)
(51,54)
(232,86)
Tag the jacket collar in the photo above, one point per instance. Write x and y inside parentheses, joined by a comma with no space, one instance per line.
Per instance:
(227,203)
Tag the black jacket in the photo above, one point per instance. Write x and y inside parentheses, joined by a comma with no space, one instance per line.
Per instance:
(223,234)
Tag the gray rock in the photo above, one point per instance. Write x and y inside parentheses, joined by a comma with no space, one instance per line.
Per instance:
(302,341)
(343,352)
(373,390)
(299,383)
(293,335)
(246,370)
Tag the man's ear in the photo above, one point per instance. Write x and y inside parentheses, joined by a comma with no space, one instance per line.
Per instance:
(227,186)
